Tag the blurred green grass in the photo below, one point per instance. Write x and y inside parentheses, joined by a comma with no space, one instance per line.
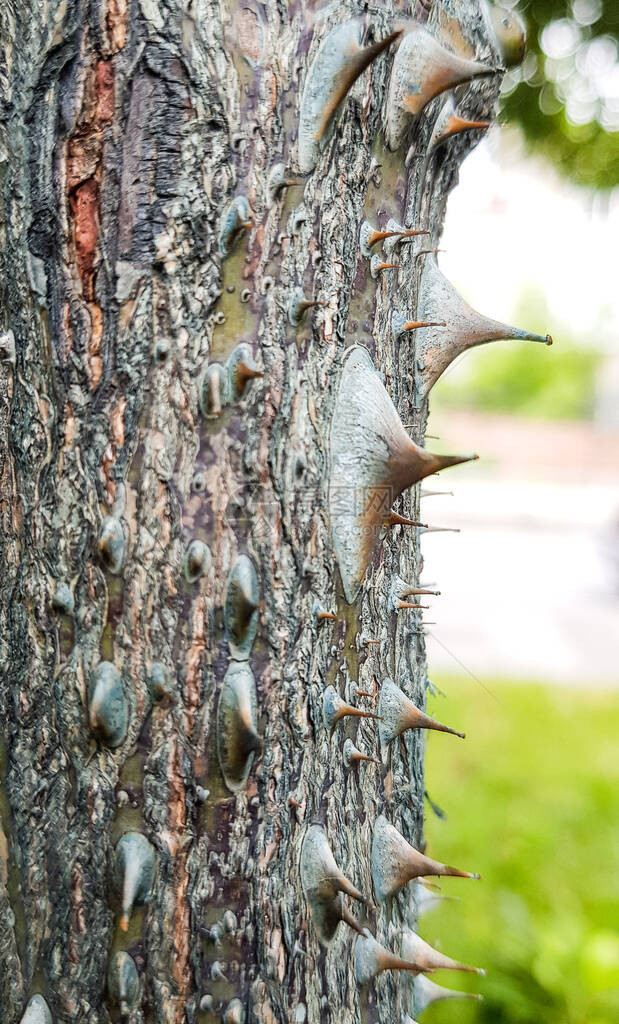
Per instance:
(532,798)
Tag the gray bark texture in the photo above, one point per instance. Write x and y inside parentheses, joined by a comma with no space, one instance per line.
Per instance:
(127,128)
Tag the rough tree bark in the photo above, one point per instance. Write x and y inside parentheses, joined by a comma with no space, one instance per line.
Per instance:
(128,127)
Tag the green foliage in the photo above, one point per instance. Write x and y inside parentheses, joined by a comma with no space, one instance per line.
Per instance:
(517,380)
(523,377)
(532,799)
(559,96)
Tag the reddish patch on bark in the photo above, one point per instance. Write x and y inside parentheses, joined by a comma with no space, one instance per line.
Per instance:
(84,208)
(193,674)
(181,929)
(83,177)
(104,91)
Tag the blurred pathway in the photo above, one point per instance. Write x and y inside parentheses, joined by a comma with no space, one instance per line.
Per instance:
(530,587)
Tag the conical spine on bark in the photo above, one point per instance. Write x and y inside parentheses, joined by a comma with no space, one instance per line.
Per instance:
(509,31)
(334,708)
(123,982)
(371,959)
(369,236)
(398,713)
(323,885)
(430,959)
(338,62)
(135,871)
(241,370)
(436,348)
(426,992)
(241,608)
(234,1013)
(237,725)
(397,234)
(112,544)
(422,69)
(373,460)
(277,182)
(236,219)
(395,862)
(450,123)
(352,755)
(37,1012)
(427,899)
(108,710)
(214,391)
(299,305)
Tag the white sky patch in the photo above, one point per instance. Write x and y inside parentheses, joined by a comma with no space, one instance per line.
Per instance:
(513,221)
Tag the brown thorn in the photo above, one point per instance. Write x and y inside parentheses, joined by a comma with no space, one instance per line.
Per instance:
(410,591)
(358,713)
(394,519)
(425,252)
(378,236)
(349,74)
(412,325)
(307,304)
(412,232)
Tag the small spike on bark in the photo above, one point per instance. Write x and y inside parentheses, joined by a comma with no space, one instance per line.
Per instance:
(427,992)
(134,867)
(395,862)
(338,62)
(466,328)
(422,69)
(334,708)
(398,713)
(323,884)
(371,959)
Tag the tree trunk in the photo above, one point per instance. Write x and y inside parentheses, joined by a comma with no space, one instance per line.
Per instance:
(128,128)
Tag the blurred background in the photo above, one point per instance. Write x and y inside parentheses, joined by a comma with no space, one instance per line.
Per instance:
(524,640)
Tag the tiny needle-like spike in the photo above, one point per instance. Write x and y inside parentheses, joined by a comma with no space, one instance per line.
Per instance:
(439,529)
(412,325)
(428,252)
(378,236)
(322,614)
(413,232)
(377,266)
(353,755)
(411,591)
(394,519)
